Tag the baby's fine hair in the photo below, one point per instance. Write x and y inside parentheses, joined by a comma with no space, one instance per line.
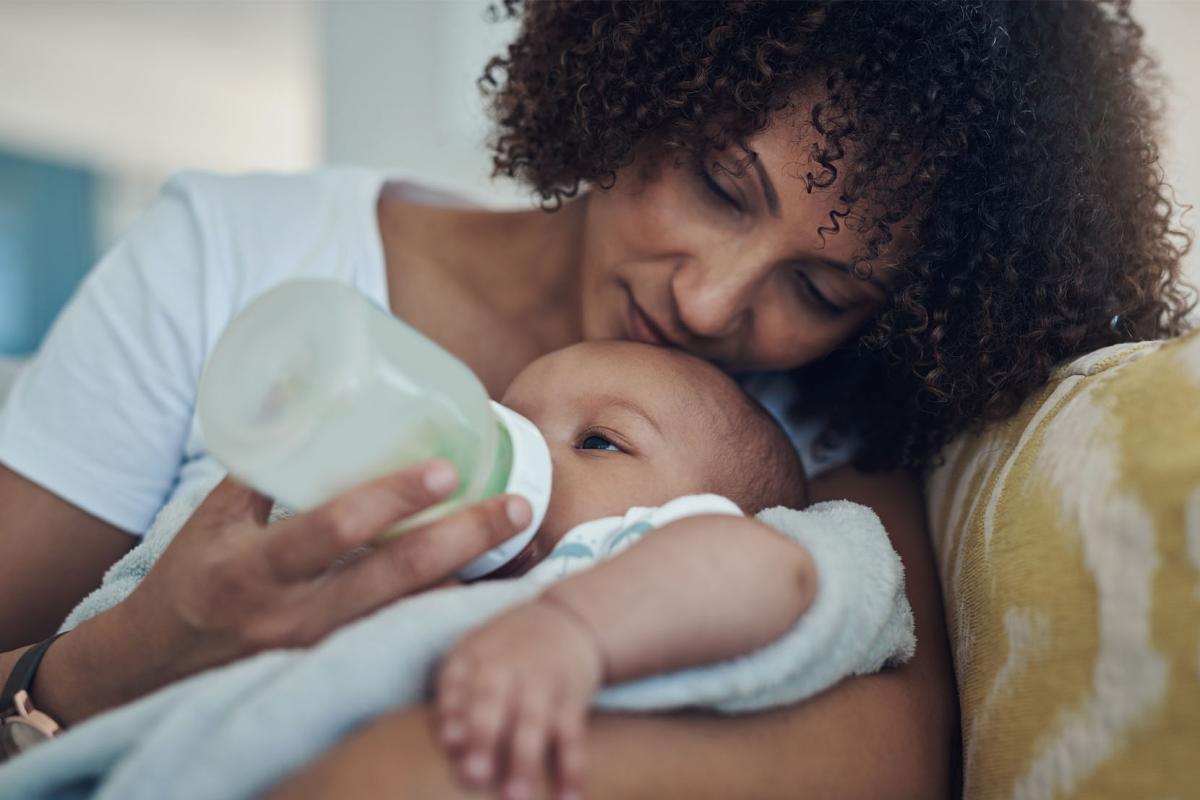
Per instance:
(763,469)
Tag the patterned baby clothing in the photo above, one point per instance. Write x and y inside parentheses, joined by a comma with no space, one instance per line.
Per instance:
(600,539)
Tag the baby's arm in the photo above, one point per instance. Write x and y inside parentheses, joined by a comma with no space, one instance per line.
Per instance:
(514,694)
(701,589)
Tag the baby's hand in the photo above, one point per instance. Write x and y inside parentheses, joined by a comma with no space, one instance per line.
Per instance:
(513,698)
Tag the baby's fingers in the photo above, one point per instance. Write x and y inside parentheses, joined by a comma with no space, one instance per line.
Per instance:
(528,762)
(451,701)
(487,719)
(569,756)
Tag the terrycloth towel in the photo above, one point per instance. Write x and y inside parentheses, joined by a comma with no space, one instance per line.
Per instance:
(234,731)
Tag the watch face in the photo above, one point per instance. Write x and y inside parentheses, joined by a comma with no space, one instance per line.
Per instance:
(17,736)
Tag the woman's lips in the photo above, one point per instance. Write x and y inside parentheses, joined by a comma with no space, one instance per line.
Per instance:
(643,328)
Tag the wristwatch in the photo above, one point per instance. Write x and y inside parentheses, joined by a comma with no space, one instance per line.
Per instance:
(21,725)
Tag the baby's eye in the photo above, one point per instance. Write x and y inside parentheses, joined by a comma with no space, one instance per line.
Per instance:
(595,441)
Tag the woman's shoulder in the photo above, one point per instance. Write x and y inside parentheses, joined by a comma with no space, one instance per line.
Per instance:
(257,229)
(274,200)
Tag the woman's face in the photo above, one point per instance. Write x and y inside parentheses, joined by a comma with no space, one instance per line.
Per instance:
(728,264)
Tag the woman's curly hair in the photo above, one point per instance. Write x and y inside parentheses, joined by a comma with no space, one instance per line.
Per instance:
(1020,136)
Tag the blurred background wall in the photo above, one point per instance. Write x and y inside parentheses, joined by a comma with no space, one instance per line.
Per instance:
(102,99)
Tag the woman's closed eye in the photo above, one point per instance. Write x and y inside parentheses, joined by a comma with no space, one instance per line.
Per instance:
(815,296)
(718,192)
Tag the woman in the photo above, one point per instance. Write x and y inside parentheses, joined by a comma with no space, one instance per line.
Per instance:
(909,211)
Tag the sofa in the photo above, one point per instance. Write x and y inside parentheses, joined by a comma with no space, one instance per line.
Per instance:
(1068,544)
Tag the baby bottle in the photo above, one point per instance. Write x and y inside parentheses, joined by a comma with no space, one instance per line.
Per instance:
(313,389)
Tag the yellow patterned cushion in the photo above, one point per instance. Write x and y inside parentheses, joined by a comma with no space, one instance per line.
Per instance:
(1068,540)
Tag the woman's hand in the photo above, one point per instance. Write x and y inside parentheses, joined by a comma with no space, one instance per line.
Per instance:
(513,698)
(229,585)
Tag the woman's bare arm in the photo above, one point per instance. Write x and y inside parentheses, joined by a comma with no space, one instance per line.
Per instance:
(52,554)
(881,736)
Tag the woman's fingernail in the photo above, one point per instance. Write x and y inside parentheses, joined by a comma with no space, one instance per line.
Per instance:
(478,767)
(518,512)
(440,478)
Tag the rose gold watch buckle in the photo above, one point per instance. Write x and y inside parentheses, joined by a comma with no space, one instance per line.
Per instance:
(26,727)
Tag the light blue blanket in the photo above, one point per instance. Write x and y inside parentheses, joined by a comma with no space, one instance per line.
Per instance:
(234,731)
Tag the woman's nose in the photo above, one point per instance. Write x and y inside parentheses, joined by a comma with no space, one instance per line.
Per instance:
(714,302)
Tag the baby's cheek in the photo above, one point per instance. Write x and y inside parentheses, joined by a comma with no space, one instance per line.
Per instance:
(581,493)
(558,519)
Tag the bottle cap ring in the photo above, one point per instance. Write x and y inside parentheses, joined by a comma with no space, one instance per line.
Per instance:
(530,477)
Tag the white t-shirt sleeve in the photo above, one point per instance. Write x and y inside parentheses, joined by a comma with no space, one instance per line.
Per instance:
(101,416)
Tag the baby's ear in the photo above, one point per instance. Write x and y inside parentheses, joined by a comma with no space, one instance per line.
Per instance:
(802,498)
(788,488)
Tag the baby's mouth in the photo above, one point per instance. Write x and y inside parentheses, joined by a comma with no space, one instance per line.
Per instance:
(519,564)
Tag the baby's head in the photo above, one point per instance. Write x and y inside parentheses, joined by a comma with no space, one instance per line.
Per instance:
(631,424)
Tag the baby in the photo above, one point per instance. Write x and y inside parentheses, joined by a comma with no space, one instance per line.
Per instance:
(627,425)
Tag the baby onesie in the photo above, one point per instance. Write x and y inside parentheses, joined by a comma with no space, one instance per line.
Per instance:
(599,539)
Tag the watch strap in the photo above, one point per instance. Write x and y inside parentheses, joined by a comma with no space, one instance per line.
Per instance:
(21,678)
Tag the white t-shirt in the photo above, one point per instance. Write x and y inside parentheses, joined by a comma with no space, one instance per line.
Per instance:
(105,414)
